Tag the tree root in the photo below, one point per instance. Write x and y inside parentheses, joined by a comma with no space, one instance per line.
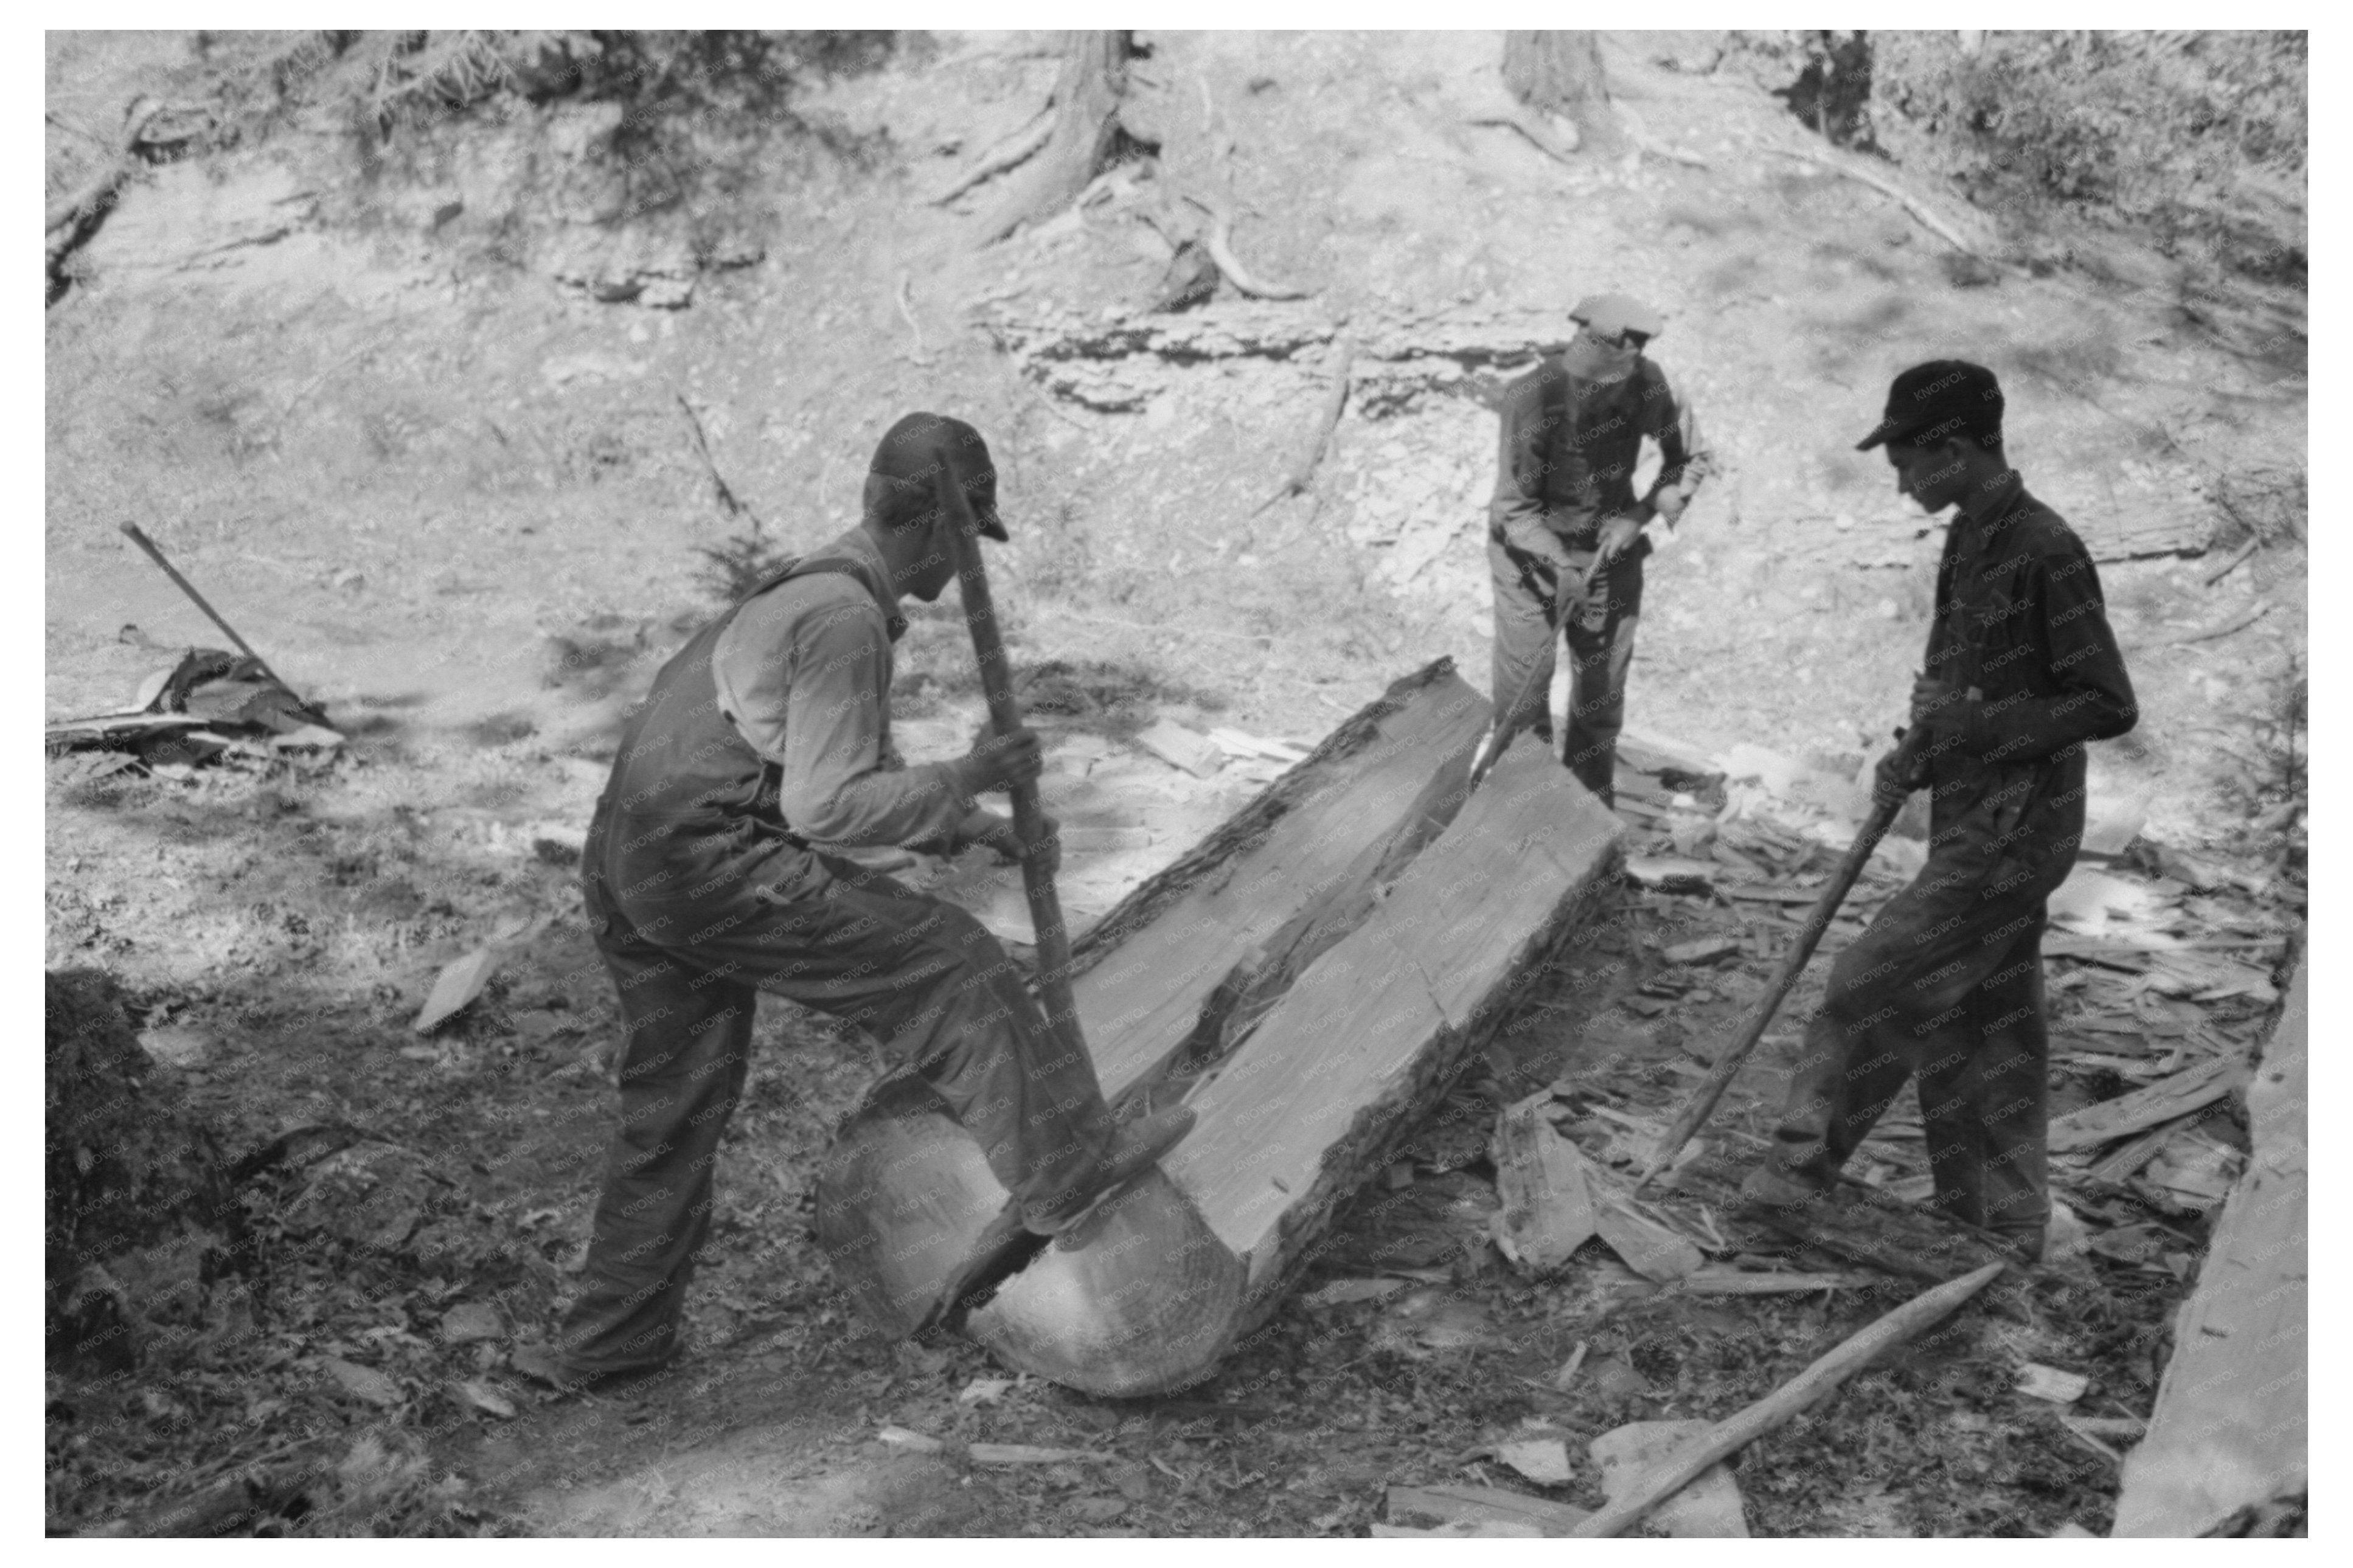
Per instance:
(1219,243)
(1910,203)
(1007,155)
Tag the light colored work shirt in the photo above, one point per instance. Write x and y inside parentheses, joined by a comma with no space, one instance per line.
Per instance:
(803,672)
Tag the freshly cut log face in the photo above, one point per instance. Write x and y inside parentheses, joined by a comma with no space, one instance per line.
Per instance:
(1319,1095)
(1175,975)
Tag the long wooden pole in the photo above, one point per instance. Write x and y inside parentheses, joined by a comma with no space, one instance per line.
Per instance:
(1696,1109)
(1028,815)
(1727,1438)
(139,537)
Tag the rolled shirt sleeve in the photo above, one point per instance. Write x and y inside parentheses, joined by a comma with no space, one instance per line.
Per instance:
(1668,419)
(804,674)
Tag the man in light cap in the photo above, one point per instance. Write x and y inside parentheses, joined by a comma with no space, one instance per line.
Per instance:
(1947,984)
(1564,512)
(767,734)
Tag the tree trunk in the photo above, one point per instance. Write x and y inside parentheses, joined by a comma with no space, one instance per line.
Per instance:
(1560,73)
(1087,130)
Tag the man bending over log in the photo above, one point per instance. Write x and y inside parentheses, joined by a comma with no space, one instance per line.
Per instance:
(769,733)
(1947,984)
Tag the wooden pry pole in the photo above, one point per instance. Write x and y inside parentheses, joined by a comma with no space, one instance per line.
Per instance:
(1005,718)
(1702,1103)
(1727,1438)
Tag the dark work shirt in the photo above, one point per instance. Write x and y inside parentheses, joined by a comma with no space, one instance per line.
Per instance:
(1571,445)
(2021,636)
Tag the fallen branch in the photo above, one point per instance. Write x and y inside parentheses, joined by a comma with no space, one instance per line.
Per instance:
(1006,155)
(904,300)
(1793,1398)
(1911,204)
(727,496)
(1221,228)
(2238,623)
(1338,362)
(1541,140)
(2231,565)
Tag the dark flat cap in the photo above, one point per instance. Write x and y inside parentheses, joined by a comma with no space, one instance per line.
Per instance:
(1942,397)
(937,454)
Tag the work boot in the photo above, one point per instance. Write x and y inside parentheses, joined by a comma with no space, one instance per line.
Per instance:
(1136,1147)
(542,1365)
(1769,1189)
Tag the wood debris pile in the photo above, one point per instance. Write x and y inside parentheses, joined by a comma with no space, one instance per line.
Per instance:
(208,708)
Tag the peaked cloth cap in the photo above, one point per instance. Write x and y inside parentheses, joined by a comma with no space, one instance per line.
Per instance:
(1607,315)
(943,458)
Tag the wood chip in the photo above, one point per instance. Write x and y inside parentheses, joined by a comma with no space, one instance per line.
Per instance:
(1670,873)
(1543,1460)
(1548,1208)
(1703,951)
(2038,1382)
(458,984)
(362,1382)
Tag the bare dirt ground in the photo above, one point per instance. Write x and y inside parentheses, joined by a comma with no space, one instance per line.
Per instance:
(457,502)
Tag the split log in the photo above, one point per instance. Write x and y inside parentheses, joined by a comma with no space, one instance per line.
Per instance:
(1800,1394)
(1318,1097)
(2229,1431)
(907,1210)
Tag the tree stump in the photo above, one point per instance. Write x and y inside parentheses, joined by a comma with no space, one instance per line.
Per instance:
(1560,73)
(140,1213)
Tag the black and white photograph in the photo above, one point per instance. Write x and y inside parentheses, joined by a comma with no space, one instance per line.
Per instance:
(1288,780)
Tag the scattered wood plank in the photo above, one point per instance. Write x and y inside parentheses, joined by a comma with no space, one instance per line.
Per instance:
(991,1453)
(1708,1507)
(1705,950)
(1483,1505)
(1318,1098)
(1669,1475)
(2229,1431)
(2164,1100)
(907,1208)
(1182,748)
(1548,1212)
(1749,1282)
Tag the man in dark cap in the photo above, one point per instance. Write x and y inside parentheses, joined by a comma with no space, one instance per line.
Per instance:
(767,734)
(1947,984)
(1565,524)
